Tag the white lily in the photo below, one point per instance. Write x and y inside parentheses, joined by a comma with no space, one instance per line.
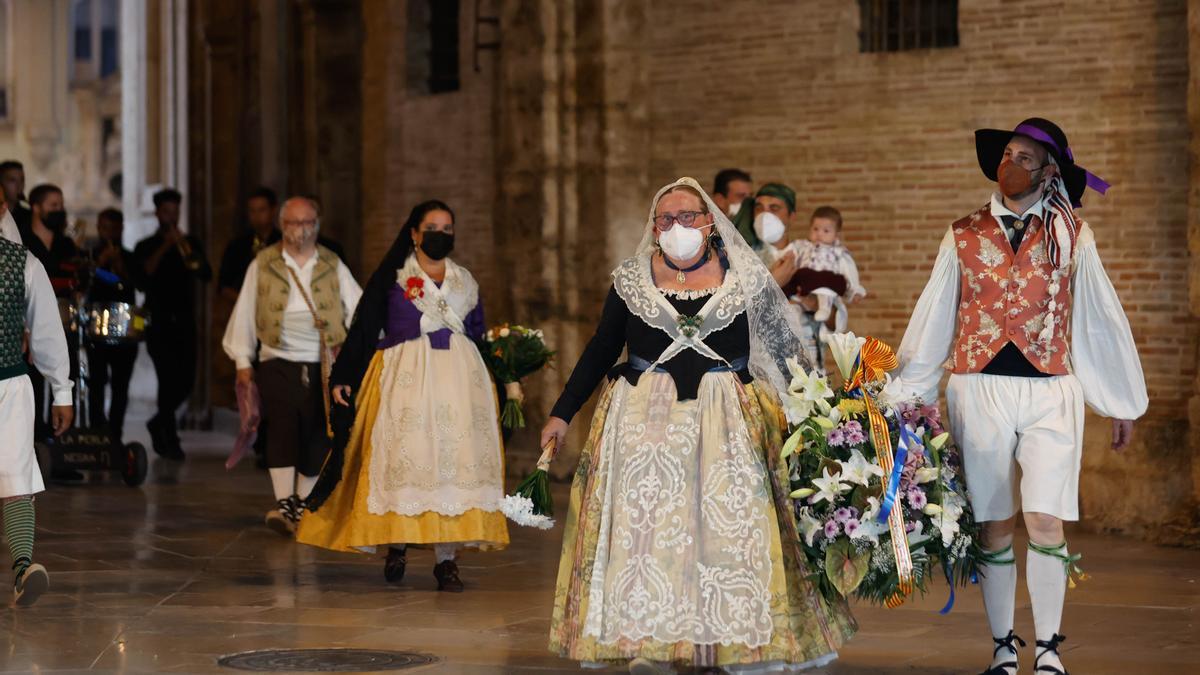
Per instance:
(918,534)
(869,526)
(926,475)
(809,526)
(858,469)
(790,445)
(797,409)
(938,441)
(845,348)
(829,487)
(809,386)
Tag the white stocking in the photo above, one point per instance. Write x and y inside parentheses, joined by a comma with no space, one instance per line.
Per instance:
(1046,575)
(304,485)
(283,481)
(998,579)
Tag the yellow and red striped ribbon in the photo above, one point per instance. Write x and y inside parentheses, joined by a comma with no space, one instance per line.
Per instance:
(875,359)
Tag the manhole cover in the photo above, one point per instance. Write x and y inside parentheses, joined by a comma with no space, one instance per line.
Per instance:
(325,660)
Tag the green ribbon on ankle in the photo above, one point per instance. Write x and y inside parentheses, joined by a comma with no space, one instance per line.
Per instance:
(996,558)
(1070,562)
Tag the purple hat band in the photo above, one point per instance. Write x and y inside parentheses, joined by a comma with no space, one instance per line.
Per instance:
(1093,181)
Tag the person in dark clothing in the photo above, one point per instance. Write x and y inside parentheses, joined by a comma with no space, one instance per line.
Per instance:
(12,181)
(262,215)
(111,364)
(170,264)
(45,237)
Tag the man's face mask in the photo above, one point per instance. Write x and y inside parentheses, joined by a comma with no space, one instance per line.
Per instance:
(1016,181)
(55,221)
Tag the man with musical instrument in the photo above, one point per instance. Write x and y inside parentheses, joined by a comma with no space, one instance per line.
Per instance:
(27,304)
(296,301)
(111,364)
(170,266)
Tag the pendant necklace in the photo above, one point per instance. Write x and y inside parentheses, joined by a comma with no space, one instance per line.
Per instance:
(681,275)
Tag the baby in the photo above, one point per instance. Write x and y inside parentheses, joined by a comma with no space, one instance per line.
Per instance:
(824,266)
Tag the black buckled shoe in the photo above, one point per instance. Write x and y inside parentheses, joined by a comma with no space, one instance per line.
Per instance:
(1050,645)
(446,573)
(30,583)
(1007,667)
(281,519)
(394,565)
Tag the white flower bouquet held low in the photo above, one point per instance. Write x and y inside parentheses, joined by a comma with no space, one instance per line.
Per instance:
(531,504)
(878,491)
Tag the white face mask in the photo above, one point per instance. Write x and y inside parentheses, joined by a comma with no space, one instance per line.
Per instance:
(682,243)
(768,227)
(734,208)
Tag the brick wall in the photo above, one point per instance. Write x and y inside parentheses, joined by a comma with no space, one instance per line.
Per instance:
(779,88)
(887,138)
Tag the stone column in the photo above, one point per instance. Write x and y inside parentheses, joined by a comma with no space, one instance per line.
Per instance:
(1193,210)
(571,187)
(381,158)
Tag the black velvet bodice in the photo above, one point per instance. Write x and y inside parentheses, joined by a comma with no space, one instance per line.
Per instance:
(620,328)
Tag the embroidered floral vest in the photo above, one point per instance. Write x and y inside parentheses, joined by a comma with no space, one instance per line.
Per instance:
(274,285)
(1006,298)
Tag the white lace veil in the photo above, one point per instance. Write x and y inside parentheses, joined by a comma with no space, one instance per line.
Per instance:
(774,324)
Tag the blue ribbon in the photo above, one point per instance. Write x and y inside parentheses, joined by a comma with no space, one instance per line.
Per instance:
(950,582)
(889,497)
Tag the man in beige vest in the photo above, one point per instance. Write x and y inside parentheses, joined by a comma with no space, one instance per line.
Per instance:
(293,310)
(1021,312)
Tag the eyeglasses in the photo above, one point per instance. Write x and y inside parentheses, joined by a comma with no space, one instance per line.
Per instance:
(307,222)
(684,218)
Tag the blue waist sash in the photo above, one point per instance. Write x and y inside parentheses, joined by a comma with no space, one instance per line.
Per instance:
(737,365)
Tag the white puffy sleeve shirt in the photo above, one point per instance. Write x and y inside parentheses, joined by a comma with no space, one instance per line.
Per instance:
(1103,355)
(300,340)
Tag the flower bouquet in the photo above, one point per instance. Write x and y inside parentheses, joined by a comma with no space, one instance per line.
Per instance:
(877,489)
(531,505)
(511,353)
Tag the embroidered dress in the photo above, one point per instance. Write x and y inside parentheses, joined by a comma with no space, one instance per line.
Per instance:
(680,542)
(423,463)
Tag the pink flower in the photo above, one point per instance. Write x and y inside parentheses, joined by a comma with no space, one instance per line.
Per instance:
(917,499)
(843,514)
(832,529)
(855,438)
(851,526)
(836,437)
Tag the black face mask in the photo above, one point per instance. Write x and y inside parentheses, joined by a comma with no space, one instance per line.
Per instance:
(55,221)
(437,245)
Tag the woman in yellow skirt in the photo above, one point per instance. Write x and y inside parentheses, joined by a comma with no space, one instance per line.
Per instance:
(417,456)
(680,546)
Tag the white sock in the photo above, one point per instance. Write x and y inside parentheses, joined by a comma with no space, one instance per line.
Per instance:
(998,580)
(445,552)
(1047,579)
(283,481)
(304,485)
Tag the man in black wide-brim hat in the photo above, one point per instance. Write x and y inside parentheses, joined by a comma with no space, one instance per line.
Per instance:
(1020,310)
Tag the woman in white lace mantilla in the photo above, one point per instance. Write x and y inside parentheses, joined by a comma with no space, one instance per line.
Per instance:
(680,546)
